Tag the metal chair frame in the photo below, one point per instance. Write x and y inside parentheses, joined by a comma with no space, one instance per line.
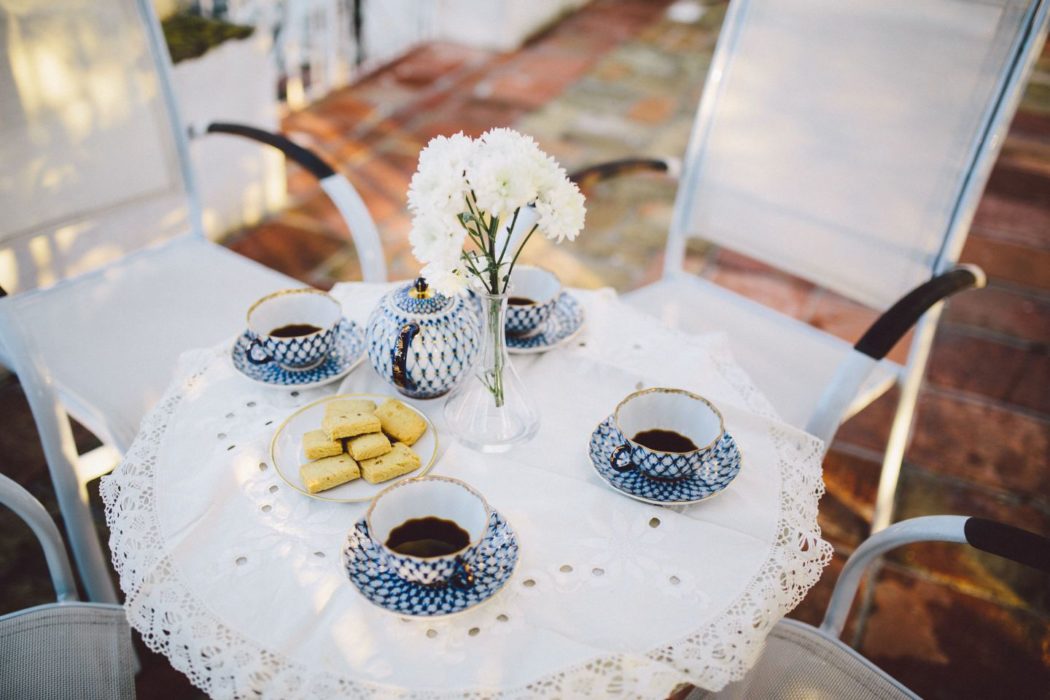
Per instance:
(989,536)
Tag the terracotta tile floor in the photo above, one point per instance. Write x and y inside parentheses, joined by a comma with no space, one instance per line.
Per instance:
(616,79)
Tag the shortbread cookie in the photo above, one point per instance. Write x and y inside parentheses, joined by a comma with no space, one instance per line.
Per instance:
(368,446)
(317,444)
(344,419)
(352,405)
(401,422)
(400,460)
(329,472)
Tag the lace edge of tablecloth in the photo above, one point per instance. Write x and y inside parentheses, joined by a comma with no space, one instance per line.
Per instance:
(222,662)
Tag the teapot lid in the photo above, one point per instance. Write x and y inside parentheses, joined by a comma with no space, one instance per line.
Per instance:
(419,298)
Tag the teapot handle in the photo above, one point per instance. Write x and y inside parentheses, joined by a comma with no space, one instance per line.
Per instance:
(399,356)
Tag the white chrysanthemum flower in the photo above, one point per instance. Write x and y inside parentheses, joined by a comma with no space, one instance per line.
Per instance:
(506,172)
(436,237)
(448,153)
(499,185)
(439,185)
(561,211)
(549,174)
(432,192)
(446,279)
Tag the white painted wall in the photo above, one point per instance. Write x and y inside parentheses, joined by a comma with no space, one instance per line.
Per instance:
(239,181)
(500,25)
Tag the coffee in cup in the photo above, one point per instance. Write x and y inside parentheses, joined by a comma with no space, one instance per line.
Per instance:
(665,433)
(429,529)
(295,328)
(532,297)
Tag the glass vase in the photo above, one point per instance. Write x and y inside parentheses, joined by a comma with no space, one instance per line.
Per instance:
(490,411)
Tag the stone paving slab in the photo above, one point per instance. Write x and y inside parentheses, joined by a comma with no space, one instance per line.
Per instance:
(947,644)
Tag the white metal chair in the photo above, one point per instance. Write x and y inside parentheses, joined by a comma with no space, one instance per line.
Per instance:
(107,272)
(847,144)
(802,661)
(66,649)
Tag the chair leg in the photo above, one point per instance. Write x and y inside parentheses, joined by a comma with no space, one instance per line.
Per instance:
(83,540)
(900,431)
(60,451)
(892,460)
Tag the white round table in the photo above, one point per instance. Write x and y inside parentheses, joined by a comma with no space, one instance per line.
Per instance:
(238,578)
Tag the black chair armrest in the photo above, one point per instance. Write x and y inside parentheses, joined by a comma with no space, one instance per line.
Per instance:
(891,326)
(590,175)
(303,156)
(348,201)
(1009,542)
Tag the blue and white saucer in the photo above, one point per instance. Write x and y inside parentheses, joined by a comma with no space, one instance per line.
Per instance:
(347,353)
(712,478)
(562,325)
(492,566)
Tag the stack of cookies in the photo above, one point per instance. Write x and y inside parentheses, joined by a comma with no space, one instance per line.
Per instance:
(357,439)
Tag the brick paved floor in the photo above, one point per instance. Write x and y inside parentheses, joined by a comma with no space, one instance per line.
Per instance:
(618,78)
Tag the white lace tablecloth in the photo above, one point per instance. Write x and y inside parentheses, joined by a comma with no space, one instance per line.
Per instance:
(238,579)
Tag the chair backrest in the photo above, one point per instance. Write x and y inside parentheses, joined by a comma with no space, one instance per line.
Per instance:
(848,142)
(66,649)
(93,161)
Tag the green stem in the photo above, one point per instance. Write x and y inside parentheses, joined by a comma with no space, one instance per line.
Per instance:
(515,259)
(510,234)
(474,237)
(477,234)
(495,330)
(470,263)
(491,255)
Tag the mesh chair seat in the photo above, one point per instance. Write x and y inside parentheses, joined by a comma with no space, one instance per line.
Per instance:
(790,361)
(799,663)
(67,650)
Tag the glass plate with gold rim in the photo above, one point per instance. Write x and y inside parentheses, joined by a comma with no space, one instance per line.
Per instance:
(286,451)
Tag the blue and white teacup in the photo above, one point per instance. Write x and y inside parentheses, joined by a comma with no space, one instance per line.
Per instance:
(533,294)
(430,497)
(687,427)
(296,328)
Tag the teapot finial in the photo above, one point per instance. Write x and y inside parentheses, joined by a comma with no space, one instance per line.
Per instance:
(420,289)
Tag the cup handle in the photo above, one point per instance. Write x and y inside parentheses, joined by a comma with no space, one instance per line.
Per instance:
(399,357)
(463,576)
(614,458)
(250,352)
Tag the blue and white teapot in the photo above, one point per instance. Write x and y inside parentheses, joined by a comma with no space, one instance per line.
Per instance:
(422,342)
